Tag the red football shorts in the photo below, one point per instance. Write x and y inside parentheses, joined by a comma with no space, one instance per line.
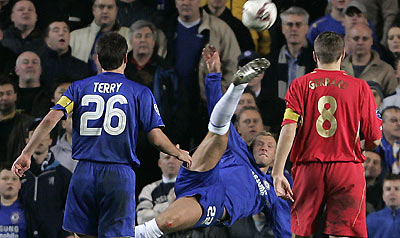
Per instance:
(338,185)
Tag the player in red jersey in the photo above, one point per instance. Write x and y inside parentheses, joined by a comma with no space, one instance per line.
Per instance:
(327,111)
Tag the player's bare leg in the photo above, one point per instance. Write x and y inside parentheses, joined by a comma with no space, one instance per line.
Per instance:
(213,146)
(185,212)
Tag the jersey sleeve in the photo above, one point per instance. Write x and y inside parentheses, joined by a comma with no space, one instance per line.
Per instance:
(66,102)
(371,122)
(294,108)
(149,115)
(278,217)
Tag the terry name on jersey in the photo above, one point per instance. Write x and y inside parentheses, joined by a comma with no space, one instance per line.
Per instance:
(106,87)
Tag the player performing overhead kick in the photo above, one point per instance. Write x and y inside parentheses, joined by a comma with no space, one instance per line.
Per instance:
(224,182)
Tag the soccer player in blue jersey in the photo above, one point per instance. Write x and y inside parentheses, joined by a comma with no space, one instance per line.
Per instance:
(224,182)
(108,110)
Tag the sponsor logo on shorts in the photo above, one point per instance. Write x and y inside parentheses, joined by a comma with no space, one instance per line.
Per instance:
(261,187)
(211,211)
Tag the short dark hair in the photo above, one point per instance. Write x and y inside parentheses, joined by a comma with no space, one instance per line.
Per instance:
(328,47)
(111,49)
(4,80)
(47,30)
(60,81)
(5,165)
(391,177)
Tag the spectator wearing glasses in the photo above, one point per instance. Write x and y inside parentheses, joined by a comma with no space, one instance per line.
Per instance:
(364,62)
(295,58)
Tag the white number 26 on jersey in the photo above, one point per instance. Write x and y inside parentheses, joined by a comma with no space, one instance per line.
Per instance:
(109,112)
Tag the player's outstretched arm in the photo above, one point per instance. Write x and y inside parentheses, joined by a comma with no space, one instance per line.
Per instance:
(281,184)
(162,143)
(211,57)
(23,162)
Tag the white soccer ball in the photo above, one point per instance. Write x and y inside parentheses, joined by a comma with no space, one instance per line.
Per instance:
(259,14)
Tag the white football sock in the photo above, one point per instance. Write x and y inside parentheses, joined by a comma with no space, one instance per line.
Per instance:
(148,230)
(223,111)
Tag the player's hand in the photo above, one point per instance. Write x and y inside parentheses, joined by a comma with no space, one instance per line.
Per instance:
(185,157)
(282,188)
(21,164)
(211,57)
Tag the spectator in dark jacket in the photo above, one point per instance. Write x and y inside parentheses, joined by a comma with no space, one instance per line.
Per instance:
(23,35)
(295,58)
(147,68)
(13,123)
(45,188)
(33,98)
(56,60)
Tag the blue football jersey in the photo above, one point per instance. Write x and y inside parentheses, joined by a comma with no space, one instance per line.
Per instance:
(108,111)
(248,190)
(12,221)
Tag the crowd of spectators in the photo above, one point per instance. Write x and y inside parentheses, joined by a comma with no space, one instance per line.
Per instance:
(47,44)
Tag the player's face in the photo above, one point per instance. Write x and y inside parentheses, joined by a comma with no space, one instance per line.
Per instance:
(264,150)
(60,90)
(340,4)
(8,98)
(391,193)
(143,41)
(391,123)
(295,29)
(169,165)
(246,99)
(9,184)
(372,164)
(393,39)
(28,66)
(250,124)
(188,9)
(105,12)
(23,14)
(377,96)
(44,145)
(58,37)
(360,40)
(217,3)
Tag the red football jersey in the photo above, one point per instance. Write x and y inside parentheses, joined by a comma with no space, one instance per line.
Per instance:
(334,108)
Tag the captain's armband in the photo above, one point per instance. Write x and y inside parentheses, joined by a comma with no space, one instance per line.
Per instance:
(291,115)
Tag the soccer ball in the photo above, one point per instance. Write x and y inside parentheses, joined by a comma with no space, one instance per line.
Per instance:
(259,14)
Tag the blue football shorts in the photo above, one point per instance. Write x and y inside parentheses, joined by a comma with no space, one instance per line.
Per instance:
(207,188)
(101,200)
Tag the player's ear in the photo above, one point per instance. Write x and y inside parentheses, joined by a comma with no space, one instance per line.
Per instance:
(315,57)
(343,54)
(126,59)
